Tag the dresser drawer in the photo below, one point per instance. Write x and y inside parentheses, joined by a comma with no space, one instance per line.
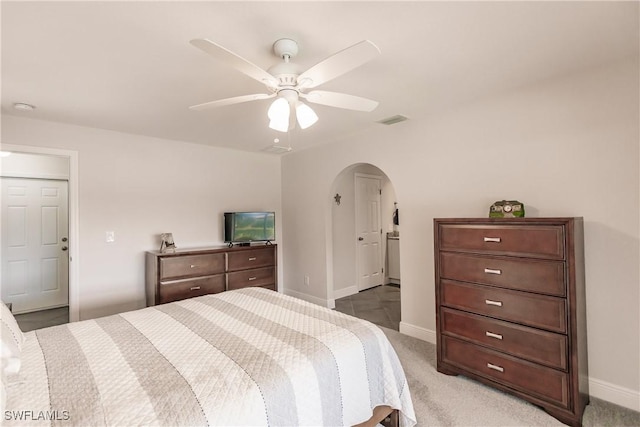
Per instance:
(191,265)
(189,288)
(254,258)
(264,277)
(543,347)
(539,311)
(522,240)
(542,382)
(508,272)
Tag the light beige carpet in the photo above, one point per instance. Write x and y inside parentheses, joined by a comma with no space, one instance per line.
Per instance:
(442,400)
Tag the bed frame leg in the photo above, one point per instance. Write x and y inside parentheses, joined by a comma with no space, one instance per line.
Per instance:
(392,420)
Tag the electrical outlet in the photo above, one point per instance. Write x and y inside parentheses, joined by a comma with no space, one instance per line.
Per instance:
(110,236)
(306,280)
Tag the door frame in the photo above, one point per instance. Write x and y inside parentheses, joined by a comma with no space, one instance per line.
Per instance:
(74,237)
(357,175)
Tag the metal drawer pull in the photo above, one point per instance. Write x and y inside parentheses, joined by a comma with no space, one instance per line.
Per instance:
(495,367)
(492,239)
(492,271)
(492,302)
(195,288)
(252,258)
(252,278)
(193,266)
(492,335)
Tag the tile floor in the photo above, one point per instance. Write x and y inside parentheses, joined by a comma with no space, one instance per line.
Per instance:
(379,305)
(42,319)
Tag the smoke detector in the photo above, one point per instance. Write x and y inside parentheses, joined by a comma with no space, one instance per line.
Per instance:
(21,106)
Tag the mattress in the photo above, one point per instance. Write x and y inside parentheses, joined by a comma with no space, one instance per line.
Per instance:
(245,357)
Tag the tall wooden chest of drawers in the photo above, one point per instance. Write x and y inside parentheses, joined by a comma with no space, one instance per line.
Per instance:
(510,307)
(188,273)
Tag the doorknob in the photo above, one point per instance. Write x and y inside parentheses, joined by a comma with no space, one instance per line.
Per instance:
(64,239)
(64,248)
(361,238)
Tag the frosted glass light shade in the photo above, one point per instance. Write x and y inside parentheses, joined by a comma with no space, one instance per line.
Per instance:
(278,114)
(279,125)
(305,115)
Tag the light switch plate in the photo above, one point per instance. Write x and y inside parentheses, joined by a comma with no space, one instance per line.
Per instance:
(110,236)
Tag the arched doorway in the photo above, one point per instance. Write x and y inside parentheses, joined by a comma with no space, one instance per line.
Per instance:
(357,255)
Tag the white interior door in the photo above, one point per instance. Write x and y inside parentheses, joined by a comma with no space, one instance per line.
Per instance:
(35,256)
(368,232)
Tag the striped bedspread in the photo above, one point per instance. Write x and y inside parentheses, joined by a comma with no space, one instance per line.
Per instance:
(247,357)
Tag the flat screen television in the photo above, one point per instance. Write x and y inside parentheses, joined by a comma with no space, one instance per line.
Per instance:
(246,227)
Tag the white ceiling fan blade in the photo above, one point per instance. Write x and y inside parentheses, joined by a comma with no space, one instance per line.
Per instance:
(239,63)
(338,64)
(231,101)
(340,100)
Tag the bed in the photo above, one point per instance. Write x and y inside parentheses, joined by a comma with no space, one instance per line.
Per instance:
(245,357)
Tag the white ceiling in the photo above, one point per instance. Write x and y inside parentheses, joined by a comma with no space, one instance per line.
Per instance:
(128,66)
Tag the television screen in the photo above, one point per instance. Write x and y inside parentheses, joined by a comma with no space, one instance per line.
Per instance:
(244,227)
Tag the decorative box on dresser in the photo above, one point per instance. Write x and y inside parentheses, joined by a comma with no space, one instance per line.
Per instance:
(188,273)
(510,308)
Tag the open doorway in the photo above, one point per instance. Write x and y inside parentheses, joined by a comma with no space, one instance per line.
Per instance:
(363,211)
(39,263)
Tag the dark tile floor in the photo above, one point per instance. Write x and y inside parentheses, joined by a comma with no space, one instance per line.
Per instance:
(42,318)
(379,305)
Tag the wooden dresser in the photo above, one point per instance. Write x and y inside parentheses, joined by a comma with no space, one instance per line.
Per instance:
(510,307)
(189,273)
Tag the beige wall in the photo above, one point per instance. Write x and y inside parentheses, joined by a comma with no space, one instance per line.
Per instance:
(139,187)
(25,165)
(565,147)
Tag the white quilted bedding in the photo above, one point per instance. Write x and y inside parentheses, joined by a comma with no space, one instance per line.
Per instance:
(250,357)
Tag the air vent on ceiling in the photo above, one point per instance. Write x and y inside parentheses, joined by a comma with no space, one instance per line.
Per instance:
(393,120)
(277,149)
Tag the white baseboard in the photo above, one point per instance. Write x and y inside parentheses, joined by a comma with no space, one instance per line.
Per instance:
(310,298)
(418,332)
(345,292)
(620,396)
(341,293)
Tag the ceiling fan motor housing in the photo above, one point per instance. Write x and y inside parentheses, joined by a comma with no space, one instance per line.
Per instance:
(286,72)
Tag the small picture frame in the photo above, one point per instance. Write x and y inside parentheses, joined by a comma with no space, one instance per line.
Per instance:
(166,243)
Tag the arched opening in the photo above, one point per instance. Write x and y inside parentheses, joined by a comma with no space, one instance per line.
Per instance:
(365,249)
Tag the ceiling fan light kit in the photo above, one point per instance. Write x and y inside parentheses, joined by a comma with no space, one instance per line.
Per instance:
(305,115)
(285,82)
(278,114)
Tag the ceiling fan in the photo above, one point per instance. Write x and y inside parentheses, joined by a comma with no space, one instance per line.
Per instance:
(285,81)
